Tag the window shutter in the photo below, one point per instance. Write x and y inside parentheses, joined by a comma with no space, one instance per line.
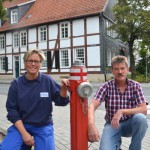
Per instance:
(57,59)
(49,61)
(6,64)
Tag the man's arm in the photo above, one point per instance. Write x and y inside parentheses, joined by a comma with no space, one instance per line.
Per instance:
(92,130)
(142,108)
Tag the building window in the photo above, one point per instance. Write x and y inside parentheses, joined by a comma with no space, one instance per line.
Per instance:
(2,42)
(64,58)
(110,33)
(80,54)
(44,63)
(43,33)
(2,63)
(110,55)
(14,16)
(64,30)
(0,22)
(23,38)
(16,39)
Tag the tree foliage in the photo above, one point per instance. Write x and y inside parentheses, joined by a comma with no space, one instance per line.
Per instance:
(3,12)
(132,23)
(144,62)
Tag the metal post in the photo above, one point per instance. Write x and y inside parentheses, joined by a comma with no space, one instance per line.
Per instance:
(146,67)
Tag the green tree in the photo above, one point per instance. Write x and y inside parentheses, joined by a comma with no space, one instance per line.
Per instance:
(144,62)
(3,12)
(132,23)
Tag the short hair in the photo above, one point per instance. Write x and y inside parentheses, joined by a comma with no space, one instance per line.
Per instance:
(34,51)
(119,59)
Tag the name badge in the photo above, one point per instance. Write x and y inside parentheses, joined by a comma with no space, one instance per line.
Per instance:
(44,94)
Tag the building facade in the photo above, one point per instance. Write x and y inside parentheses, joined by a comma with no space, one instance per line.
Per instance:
(66,30)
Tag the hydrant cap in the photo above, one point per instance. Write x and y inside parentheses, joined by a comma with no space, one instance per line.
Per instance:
(85,89)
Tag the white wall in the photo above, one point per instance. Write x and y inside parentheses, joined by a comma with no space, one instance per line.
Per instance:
(93,58)
(78,27)
(92,25)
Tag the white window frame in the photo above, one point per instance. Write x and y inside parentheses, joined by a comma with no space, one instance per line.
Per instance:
(110,33)
(110,55)
(44,63)
(43,33)
(76,55)
(65,59)
(14,16)
(64,30)
(2,42)
(23,38)
(2,63)
(16,40)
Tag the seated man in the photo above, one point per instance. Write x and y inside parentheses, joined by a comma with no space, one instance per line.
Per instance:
(125,110)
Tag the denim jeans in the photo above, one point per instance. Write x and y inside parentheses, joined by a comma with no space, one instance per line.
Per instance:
(43,137)
(135,127)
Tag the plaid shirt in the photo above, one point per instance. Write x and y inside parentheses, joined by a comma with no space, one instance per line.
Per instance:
(115,100)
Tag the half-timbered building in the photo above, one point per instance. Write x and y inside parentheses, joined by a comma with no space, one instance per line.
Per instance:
(65,30)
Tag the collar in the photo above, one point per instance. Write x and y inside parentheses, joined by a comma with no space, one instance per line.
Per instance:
(39,78)
(115,82)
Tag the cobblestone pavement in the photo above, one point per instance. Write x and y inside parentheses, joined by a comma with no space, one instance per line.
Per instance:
(61,117)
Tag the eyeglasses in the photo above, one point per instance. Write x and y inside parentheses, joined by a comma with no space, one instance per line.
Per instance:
(33,61)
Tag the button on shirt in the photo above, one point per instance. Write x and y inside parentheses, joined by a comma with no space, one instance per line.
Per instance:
(115,100)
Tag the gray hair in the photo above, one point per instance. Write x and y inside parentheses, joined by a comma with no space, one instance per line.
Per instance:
(119,59)
(34,51)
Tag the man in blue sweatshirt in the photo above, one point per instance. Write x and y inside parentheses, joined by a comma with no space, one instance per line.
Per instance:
(29,106)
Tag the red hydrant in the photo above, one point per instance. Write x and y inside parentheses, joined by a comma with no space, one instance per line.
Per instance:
(80,90)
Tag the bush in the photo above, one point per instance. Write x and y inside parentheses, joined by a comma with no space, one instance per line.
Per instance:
(141,77)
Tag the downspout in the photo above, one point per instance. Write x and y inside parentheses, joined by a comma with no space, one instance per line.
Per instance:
(103,51)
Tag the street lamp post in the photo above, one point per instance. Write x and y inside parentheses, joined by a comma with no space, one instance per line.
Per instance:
(146,66)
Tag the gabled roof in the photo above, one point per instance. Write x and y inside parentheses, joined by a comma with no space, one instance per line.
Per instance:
(43,11)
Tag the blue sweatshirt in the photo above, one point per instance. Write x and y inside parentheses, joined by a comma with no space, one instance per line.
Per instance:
(31,100)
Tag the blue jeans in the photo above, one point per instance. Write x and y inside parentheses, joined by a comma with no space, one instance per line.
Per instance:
(134,127)
(43,137)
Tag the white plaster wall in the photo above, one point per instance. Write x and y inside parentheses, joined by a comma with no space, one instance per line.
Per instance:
(32,35)
(9,62)
(16,50)
(2,51)
(21,61)
(9,49)
(64,43)
(23,49)
(65,70)
(42,45)
(94,69)
(78,27)
(93,39)
(92,25)
(8,38)
(32,46)
(53,31)
(78,41)
(52,44)
(54,70)
(93,54)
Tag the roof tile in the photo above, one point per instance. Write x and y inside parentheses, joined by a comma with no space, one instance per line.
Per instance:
(43,11)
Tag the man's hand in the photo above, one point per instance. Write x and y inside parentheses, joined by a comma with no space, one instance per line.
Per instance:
(93,133)
(116,119)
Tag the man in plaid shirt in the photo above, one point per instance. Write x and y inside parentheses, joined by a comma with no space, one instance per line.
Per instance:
(125,110)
